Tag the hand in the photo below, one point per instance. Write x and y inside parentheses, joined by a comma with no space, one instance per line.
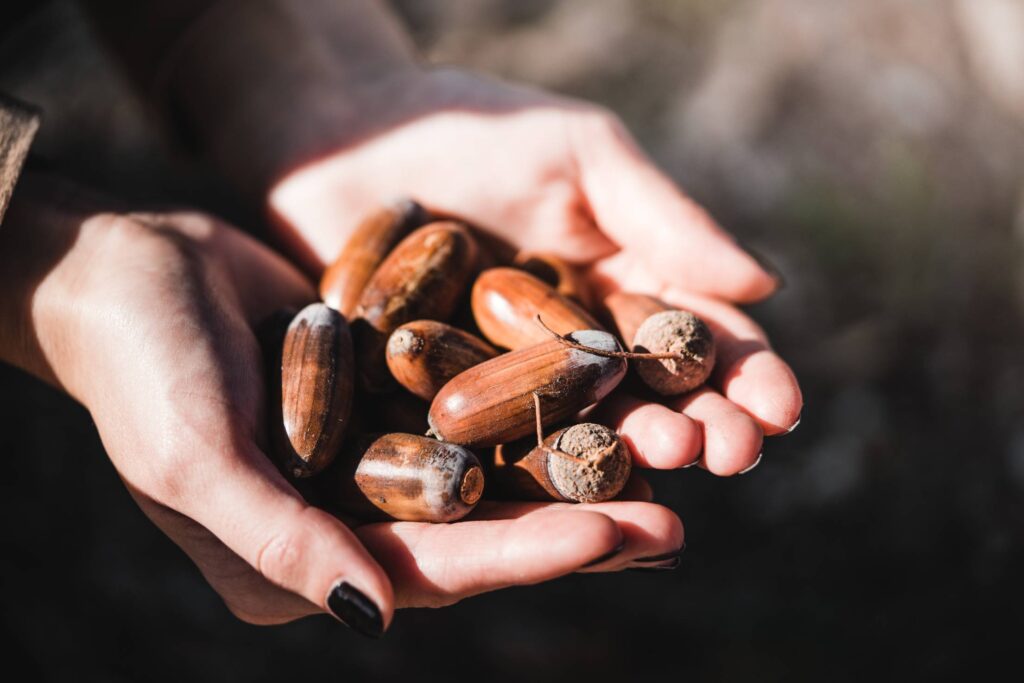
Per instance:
(147,319)
(550,174)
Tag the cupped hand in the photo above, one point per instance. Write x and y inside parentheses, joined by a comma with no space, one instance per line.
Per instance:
(148,319)
(546,173)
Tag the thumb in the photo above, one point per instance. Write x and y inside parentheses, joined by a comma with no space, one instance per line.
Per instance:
(651,220)
(248,505)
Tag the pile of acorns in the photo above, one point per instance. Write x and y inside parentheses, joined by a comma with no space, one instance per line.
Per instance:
(375,392)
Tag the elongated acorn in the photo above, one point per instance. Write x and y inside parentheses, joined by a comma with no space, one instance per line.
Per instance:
(558,273)
(343,281)
(652,326)
(584,463)
(424,355)
(493,402)
(316,385)
(405,477)
(506,302)
(422,278)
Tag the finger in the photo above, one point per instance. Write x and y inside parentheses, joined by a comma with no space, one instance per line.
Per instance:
(647,529)
(249,506)
(435,565)
(652,220)
(248,596)
(268,281)
(747,371)
(732,440)
(657,436)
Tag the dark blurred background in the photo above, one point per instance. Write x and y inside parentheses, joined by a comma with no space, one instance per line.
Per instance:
(873,149)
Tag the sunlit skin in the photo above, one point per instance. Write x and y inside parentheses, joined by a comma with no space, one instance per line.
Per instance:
(147,319)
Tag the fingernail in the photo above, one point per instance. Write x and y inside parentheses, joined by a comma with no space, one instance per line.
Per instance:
(607,556)
(662,558)
(756,463)
(692,464)
(658,567)
(795,424)
(356,610)
(766,265)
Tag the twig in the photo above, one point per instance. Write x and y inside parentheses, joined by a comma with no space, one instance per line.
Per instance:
(564,339)
(540,434)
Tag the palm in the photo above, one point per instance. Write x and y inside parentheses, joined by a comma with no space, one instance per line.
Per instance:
(549,174)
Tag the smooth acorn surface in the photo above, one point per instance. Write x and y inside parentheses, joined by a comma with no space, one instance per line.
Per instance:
(558,273)
(493,403)
(584,463)
(424,355)
(343,281)
(316,380)
(406,477)
(422,278)
(649,325)
(506,302)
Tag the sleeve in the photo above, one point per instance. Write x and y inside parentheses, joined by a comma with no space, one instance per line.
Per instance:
(18,125)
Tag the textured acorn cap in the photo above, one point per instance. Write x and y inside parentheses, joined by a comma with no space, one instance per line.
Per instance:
(675,332)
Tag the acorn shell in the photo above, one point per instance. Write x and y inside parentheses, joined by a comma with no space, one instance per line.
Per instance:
(493,402)
(506,302)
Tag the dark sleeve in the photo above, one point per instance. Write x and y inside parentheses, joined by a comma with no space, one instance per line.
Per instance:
(141,33)
(18,125)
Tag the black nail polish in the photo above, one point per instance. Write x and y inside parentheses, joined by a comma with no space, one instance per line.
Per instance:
(662,558)
(765,264)
(607,556)
(658,567)
(356,610)
(795,424)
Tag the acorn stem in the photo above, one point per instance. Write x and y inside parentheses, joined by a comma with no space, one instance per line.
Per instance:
(611,354)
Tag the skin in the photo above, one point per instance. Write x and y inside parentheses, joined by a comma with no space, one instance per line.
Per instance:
(147,319)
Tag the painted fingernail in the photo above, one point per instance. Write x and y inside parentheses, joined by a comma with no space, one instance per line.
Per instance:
(795,425)
(658,567)
(356,610)
(607,556)
(662,558)
(756,463)
(766,265)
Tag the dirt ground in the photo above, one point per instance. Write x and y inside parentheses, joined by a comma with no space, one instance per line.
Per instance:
(872,149)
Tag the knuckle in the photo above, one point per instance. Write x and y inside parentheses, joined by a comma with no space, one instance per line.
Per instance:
(282,557)
(169,476)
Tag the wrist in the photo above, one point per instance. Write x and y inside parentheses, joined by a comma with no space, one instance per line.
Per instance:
(38,235)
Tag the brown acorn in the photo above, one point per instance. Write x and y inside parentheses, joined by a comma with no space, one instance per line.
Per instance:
(422,278)
(493,402)
(316,390)
(405,477)
(343,281)
(650,325)
(424,355)
(584,463)
(558,273)
(506,302)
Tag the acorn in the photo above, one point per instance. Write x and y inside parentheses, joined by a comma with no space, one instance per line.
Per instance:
(652,326)
(584,463)
(423,277)
(506,302)
(424,355)
(493,402)
(555,271)
(343,281)
(404,477)
(316,385)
